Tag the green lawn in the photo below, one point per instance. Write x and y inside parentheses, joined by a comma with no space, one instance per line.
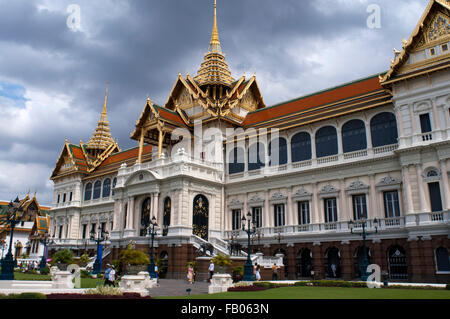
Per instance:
(327,293)
(85,282)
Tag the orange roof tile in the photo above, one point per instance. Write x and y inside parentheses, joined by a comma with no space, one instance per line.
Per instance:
(125,155)
(346,91)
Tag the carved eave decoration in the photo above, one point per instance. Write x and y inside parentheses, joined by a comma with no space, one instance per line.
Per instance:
(65,154)
(419,39)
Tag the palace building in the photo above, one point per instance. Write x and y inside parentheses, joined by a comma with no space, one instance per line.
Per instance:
(375,151)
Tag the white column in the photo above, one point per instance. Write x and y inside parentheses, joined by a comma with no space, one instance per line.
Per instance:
(373,211)
(445,183)
(315,216)
(313,145)
(130,224)
(407,191)
(437,125)
(342,213)
(368,135)
(267,219)
(413,123)
(422,199)
(246,208)
(339,141)
(401,135)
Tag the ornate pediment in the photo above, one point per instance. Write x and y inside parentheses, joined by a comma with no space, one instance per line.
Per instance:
(387,181)
(329,189)
(439,27)
(301,192)
(278,196)
(357,185)
(255,199)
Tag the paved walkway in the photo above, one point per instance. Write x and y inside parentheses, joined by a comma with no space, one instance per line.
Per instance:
(174,287)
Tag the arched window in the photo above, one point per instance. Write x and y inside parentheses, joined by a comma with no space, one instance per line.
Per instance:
(333,262)
(97,189)
(326,142)
(354,136)
(301,147)
(87,191)
(114,185)
(236,162)
(200,217)
(397,264)
(279,148)
(384,129)
(256,156)
(145,216)
(166,215)
(442,259)
(106,188)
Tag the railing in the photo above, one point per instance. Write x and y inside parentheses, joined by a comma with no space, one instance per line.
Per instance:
(385,149)
(356,154)
(392,222)
(328,159)
(437,217)
(302,164)
(427,137)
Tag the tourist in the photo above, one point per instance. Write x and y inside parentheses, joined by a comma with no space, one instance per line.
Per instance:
(112,276)
(274,272)
(211,270)
(191,274)
(108,270)
(257,273)
(333,269)
(156,273)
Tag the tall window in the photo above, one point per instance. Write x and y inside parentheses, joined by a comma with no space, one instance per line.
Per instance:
(88,191)
(301,147)
(83,233)
(94,229)
(166,215)
(256,156)
(97,190)
(236,219)
(359,207)
(391,204)
(60,231)
(145,216)
(70,197)
(125,215)
(58,199)
(114,185)
(278,155)
(435,196)
(354,136)
(106,188)
(442,259)
(330,206)
(303,213)
(384,129)
(236,162)
(257,216)
(279,217)
(425,123)
(326,141)
(64,197)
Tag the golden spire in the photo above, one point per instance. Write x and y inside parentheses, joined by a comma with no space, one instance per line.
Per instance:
(101,138)
(214,69)
(214,45)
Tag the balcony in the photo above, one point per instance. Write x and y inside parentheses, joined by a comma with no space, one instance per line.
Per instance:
(333,160)
(425,219)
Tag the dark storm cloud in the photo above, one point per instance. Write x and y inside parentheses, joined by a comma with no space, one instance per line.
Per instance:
(140,46)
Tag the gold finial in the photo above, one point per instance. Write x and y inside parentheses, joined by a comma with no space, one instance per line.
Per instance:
(104,112)
(214,45)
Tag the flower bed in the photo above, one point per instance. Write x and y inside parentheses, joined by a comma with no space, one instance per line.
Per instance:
(126,295)
(246,288)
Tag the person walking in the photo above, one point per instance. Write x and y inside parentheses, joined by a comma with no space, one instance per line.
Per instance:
(333,269)
(108,270)
(258,272)
(211,270)
(191,274)
(112,277)
(156,273)
(274,272)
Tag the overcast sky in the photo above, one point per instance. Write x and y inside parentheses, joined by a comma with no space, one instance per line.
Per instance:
(53,79)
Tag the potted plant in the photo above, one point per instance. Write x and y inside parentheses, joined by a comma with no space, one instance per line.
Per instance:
(62,258)
(134,260)
(221,262)
(84,259)
(238,273)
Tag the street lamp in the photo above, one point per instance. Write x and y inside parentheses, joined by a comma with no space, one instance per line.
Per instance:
(14,214)
(365,261)
(46,240)
(248,267)
(102,235)
(152,232)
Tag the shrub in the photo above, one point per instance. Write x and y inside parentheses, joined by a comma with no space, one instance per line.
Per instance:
(247,288)
(238,270)
(105,290)
(447,287)
(85,274)
(27,295)
(63,256)
(84,259)
(242,284)
(222,260)
(44,271)
(132,256)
